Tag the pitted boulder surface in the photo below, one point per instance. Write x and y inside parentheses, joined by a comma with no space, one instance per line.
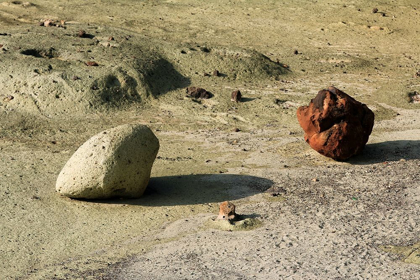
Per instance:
(335,124)
(113,163)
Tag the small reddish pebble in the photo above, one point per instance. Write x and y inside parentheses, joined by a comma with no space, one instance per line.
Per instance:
(236,96)
(226,211)
(92,63)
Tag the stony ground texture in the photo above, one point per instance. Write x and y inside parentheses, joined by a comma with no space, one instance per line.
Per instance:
(321,219)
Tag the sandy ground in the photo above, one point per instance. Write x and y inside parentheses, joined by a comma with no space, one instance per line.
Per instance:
(320,219)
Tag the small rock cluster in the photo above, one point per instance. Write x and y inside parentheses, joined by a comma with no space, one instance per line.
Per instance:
(197,92)
(335,124)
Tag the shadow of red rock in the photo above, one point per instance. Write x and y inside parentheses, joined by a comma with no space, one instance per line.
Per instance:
(388,151)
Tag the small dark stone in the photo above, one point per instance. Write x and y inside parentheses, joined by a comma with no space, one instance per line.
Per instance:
(236,96)
(375,10)
(92,63)
(81,34)
(414,97)
(216,73)
(197,92)
(296,52)
(236,130)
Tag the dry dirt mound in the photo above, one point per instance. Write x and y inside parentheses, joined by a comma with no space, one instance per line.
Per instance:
(53,71)
(76,69)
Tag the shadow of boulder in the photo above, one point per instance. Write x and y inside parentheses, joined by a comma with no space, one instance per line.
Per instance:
(388,151)
(197,189)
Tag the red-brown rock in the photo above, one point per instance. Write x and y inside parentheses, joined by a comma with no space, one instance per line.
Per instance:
(197,92)
(227,211)
(335,124)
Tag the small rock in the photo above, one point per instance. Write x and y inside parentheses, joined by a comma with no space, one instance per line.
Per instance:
(335,124)
(48,23)
(91,63)
(113,163)
(8,98)
(227,211)
(375,10)
(414,97)
(236,96)
(81,34)
(216,73)
(376,28)
(197,92)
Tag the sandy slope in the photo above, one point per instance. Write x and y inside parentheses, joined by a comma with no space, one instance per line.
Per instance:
(321,219)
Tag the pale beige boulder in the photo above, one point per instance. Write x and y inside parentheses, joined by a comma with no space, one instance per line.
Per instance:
(113,163)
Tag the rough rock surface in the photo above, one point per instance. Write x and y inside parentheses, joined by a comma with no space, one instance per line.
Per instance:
(335,124)
(227,211)
(197,92)
(114,163)
(236,96)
